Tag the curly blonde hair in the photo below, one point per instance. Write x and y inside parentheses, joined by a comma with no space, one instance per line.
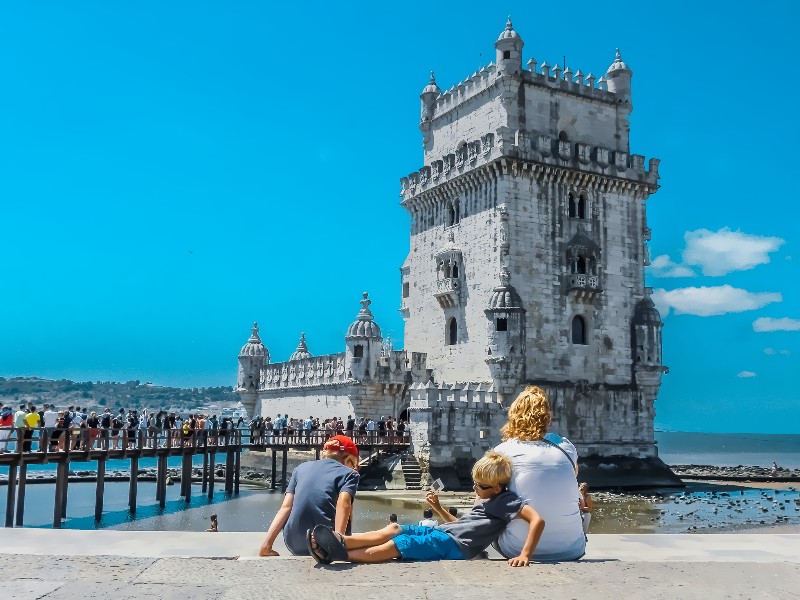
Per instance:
(528,416)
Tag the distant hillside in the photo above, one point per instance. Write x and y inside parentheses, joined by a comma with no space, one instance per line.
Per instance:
(102,394)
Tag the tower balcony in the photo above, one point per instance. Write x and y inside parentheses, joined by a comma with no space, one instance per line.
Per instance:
(447,292)
(584,286)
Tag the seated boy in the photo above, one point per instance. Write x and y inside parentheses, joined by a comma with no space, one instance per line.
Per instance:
(455,539)
(319,492)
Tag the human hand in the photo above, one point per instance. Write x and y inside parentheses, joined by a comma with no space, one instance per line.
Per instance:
(433,500)
(267,551)
(519,561)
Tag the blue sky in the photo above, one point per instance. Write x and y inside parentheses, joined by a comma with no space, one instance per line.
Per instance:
(170,172)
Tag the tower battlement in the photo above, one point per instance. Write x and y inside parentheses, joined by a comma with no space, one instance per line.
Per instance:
(530,146)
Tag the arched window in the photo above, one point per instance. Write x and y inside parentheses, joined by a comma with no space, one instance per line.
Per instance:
(358,351)
(580,265)
(454,272)
(452,332)
(578,330)
(582,200)
(562,136)
(571,205)
(451,214)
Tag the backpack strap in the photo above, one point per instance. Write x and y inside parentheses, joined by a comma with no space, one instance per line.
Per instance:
(564,452)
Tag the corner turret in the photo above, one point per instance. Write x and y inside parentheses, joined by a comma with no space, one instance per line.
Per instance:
(430,93)
(364,344)
(509,51)
(618,79)
(252,358)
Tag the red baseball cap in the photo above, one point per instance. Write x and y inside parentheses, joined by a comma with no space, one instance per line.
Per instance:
(343,443)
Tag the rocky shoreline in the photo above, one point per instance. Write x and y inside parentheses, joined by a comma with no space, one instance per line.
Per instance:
(738,473)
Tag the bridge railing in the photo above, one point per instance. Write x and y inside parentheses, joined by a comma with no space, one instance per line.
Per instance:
(49,440)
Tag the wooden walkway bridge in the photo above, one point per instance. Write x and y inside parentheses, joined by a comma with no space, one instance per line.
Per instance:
(62,447)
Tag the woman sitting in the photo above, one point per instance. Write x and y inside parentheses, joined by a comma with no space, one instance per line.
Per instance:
(544,475)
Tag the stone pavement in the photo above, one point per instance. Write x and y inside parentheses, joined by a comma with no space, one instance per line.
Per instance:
(115,564)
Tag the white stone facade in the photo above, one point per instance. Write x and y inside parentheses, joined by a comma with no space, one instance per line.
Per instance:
(529,211)
(526,265)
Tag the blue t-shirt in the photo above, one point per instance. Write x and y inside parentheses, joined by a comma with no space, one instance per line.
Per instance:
(316,486)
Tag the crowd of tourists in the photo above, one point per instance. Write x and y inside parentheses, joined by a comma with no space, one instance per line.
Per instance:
(364,430)
(78,428)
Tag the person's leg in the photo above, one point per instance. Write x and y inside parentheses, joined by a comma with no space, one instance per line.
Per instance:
(372,538)
(374,554)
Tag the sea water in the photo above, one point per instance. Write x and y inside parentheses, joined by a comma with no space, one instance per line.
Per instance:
(253,508)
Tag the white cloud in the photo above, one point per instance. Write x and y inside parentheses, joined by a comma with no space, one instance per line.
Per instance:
(662,266)
(710,301)
(723,251)
(774,352)
(769,324)
(746,374)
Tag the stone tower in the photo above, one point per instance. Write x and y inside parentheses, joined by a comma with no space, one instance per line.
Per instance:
(252,358)
(528,246)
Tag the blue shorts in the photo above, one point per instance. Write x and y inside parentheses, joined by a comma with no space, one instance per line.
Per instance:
(417,542)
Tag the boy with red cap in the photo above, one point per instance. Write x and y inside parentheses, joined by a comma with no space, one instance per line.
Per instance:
(319,493)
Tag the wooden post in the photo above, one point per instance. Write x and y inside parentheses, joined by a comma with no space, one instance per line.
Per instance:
(274,468)
(237,469)
(229,471)
(11,494)
(186,477)
(211,474)
(161,481)
(285,459)
(204,478)
(66,487)
(100,489)
(23,472)
(134,484)
(58,504)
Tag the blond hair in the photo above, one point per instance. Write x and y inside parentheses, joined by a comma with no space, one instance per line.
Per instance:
(528,416)
(492,469)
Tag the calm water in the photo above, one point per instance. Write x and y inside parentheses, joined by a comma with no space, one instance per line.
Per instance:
(729,449)
(722,507)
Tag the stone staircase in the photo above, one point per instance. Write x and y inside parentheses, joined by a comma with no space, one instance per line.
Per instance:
(411,472)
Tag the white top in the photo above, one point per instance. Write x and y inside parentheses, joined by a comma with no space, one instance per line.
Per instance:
(545,479)
(428,523)
(50,418)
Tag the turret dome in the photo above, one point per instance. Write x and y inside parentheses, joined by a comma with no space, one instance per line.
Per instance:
(646,313)
(254,346)
(504,296)
(508,33)
(618,65)
(364,326)
(302,350)
(432,88)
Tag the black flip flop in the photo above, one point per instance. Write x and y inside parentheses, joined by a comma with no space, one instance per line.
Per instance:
(318,553)
(331,544)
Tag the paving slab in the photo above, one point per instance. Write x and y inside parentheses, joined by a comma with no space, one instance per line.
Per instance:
(87,565)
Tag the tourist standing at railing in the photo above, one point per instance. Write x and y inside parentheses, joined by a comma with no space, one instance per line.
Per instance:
(6,426)
(93,426)
(350,427)
(389,427)
(32,422)
(19,421)
(116,426)
(49,420)
(105,427)
(59,439)
(401,428)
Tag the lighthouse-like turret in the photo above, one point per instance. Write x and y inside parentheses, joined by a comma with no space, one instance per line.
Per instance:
(364,344)
(508,48)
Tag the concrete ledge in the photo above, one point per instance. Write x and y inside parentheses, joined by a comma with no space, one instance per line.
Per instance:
(750,548)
